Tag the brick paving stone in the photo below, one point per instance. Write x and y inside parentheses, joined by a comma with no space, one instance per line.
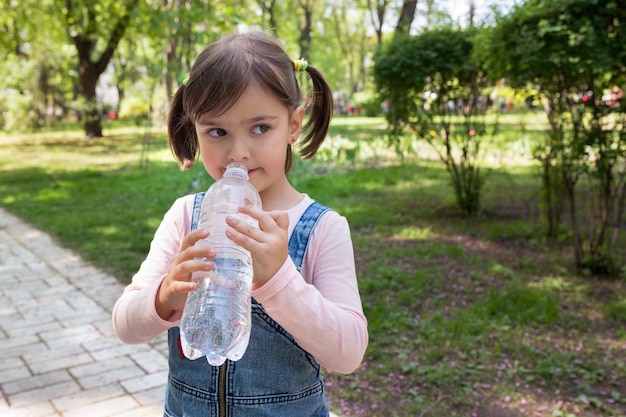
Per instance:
(119,350)
(25,319)
(42,409)
(114,376)
(44,393)
(35,328)
(6,363)
(84,317)
(60,363)
(153,396)
(87,397)
(33,382)
(82,334)
(51,354)
(105,327)
(105,408)
(16,343)
(145,382)
(96,368)
(151,361)
(97,345)
(36,348)
(154,410)
(12,374)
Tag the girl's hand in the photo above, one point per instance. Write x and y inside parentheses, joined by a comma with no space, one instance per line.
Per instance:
(177,284)
(267,244)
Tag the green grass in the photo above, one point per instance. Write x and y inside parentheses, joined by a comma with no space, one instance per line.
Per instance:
(466,315)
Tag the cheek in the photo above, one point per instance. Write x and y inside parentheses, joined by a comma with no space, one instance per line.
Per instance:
(211,162)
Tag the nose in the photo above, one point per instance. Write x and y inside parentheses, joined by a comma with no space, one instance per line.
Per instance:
(239,150)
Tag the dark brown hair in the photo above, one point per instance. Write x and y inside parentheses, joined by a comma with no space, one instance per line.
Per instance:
(219,77)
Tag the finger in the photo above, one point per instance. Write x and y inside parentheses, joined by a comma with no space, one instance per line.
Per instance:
(193,237)
(274,222)
(182,271)
(254,212)
(243,227)
(267,219)
(177,287)
(241,233)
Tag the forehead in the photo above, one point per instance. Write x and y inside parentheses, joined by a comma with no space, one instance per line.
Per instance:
(254,102)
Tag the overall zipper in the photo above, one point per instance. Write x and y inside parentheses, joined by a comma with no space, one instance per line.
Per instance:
(221,389)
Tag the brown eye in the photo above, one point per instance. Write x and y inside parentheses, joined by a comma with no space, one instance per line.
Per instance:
(260,129)
(217,132)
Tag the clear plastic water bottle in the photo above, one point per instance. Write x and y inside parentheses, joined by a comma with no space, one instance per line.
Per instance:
(216,319)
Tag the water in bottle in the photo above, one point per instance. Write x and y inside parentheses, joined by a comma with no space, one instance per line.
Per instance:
(216,319)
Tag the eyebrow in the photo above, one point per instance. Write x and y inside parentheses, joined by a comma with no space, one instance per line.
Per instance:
(211,121)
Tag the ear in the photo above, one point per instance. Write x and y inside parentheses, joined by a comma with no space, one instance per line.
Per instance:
(295,124)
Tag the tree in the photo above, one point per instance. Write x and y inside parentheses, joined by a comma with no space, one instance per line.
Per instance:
(95,30)
(268,8)
(435,90)
(377,14)
(182,28)
(35,68)
(574,53)
(306,26)
(351,41)
(471,13)
(407,14)
(379,11)
(12,21)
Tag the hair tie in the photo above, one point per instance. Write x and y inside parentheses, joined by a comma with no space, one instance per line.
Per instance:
(300,65)
(186,80)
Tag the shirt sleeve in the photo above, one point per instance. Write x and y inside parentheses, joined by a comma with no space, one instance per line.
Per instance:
(321,307)
(135,319)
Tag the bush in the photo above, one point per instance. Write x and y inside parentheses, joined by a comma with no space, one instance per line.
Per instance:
(136,108)
(16,112)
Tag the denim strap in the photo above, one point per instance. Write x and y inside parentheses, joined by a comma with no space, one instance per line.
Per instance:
(299,240)
(197,206)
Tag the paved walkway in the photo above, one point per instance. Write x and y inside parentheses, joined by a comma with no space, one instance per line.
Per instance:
(58,353)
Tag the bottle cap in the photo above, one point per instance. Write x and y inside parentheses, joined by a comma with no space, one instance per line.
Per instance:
(236,169)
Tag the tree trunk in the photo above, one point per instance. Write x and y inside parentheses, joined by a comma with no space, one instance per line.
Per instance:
(305,28)
(88,78)
(472,12)
(577,241)
(407,14)
(171,47)
(85,38)
(381,8)
(269,8)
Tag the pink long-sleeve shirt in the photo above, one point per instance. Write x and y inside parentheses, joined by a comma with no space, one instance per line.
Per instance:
(321,307)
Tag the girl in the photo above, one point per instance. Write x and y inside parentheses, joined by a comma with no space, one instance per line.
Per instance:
(241,103)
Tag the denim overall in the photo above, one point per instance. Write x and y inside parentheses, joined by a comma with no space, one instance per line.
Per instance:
(275,377)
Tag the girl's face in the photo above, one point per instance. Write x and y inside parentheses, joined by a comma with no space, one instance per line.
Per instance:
(255,131)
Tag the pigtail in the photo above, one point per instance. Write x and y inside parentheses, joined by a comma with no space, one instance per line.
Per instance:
(181,132)
(320,114)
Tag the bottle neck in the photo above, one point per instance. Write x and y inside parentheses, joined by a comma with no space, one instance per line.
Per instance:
(236,170)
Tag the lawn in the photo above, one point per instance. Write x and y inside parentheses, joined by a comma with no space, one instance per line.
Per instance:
(467,316)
